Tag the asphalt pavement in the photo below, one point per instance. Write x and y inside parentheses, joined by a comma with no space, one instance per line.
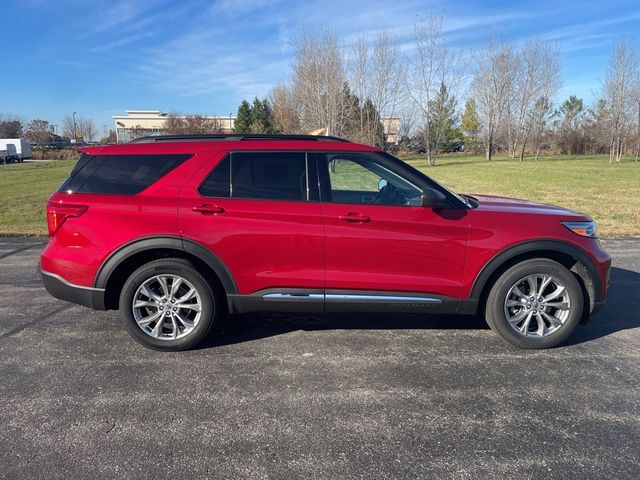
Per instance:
(300,397)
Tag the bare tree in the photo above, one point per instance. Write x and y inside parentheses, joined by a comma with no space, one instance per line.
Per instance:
(542,111)
(175,124)
(198,124)
(80,128)
(596,128)
(11,126)
(69,127)
(407,119)
(433,66)
(637,103)
(388,74)
(86,129)
(286,114)
(39,132)
(536,79)
(194,124)
(492,87)
(318,83)
(361,73)
(376,75)
(619,91)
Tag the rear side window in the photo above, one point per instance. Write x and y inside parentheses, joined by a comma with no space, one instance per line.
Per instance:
(218,183)
(259,175)
(119,174)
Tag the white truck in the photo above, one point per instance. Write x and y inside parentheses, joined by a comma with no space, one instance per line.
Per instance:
(14,150)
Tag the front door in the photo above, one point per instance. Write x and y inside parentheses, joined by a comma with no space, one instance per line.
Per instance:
(379,238)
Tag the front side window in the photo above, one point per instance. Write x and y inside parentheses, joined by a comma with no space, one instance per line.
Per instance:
(259,175)
(364,179)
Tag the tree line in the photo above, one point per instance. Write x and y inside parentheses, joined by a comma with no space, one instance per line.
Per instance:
(42,132)
(508,94)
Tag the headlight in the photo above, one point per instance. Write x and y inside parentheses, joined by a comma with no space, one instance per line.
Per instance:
(584,229)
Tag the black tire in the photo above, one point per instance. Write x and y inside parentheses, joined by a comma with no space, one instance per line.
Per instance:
(496,316)
(212,307)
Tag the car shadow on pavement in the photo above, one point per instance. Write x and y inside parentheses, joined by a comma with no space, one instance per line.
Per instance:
(247,327)
(621,312)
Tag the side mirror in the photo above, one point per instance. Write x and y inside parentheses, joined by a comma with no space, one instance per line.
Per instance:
(433,198)
(382,183)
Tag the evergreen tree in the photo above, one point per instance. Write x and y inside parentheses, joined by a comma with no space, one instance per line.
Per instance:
(360,122)
(470,120)
(244,118)
(442,121)
(373,129)
(349,123)
(469,126)
(571,115)
(258,117)
(269,118)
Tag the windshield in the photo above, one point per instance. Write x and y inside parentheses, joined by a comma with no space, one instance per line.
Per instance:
(461,198)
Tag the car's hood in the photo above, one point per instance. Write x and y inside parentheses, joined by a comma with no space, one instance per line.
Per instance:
(516,205)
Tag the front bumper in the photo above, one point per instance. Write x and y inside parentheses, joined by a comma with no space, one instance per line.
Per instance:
(59,288)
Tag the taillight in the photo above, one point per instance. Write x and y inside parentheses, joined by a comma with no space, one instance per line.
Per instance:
(58,213)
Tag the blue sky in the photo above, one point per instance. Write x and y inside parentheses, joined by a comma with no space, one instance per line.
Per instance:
(100,58)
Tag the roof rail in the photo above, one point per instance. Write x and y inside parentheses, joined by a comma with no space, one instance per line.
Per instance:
(233,137)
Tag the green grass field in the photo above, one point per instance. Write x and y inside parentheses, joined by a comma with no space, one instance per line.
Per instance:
(608,193)
(24,189)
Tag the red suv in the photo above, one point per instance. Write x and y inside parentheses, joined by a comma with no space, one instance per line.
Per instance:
(179,231)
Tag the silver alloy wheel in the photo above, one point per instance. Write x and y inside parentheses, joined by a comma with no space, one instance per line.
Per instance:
(537,305)
(167,307)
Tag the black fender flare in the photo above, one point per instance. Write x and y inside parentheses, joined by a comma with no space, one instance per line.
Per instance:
(556,246)
(171,242)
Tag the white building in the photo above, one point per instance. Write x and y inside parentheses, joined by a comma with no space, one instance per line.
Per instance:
(143,123)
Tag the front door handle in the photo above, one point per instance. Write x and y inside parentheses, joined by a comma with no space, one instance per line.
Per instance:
(354,217)
(208,209)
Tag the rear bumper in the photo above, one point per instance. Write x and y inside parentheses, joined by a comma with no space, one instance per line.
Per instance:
(59,288)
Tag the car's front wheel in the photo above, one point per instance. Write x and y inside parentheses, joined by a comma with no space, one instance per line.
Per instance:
(168,305)
(535,304)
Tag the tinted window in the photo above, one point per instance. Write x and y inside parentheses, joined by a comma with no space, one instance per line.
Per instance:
(259,175)
(218,183)
(119,174)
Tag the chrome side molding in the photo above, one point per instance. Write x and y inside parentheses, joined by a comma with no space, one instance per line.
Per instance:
(347,297)
(295,297)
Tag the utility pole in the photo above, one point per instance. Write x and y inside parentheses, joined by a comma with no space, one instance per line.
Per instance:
(75,135)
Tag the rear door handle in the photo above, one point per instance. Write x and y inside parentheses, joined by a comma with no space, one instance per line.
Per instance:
(208,209)
(354,217)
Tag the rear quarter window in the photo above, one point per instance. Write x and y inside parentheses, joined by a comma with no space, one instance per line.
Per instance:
(119,174)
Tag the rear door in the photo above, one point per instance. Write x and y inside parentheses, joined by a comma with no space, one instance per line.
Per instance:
(379,237)
(258,211)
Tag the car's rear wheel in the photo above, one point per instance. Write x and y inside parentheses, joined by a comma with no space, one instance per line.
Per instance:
(168,305)
(535,304)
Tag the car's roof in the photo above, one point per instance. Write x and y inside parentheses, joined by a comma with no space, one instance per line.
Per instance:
(179,146)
